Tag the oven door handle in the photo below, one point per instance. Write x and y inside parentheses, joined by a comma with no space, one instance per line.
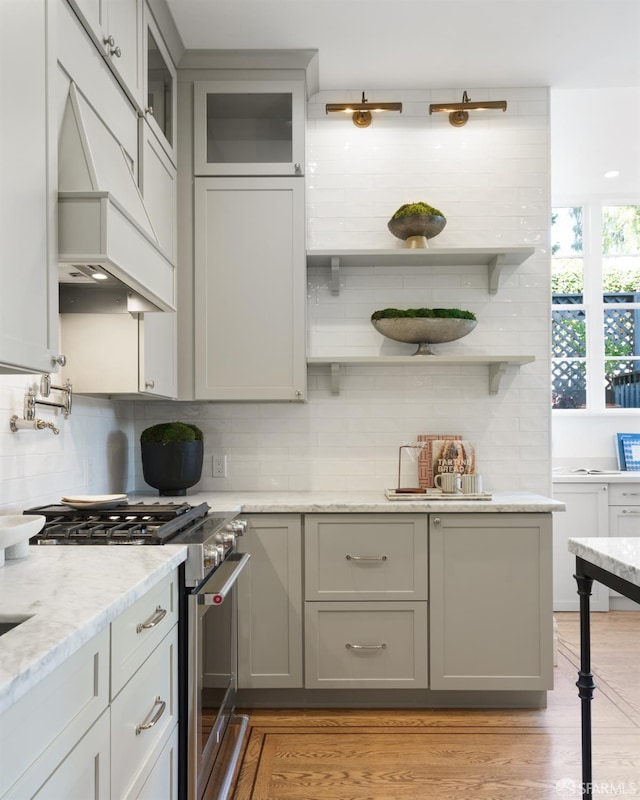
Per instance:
(214,591)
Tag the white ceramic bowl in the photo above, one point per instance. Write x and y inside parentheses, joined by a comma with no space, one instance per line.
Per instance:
(15,532)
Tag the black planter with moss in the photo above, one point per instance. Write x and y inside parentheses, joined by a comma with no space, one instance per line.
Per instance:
(171,457)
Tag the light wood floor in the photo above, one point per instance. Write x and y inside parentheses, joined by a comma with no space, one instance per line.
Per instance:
(451,755)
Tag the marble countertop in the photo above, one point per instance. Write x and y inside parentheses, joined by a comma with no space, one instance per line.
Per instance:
(619,555)
(359,502)
(69,594)
(605,476)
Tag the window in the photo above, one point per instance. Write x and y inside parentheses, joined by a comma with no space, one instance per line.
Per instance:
(596,307)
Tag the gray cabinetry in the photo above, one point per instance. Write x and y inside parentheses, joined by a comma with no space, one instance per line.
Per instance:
(491,623)
(250,288)
(270,603)
(365,557)
(28,166)
(366,601)
(116,27)
(244,127)
(377,645)
(585,515)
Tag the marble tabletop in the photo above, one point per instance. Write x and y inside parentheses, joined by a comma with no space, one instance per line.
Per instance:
(68,595)
(619,555)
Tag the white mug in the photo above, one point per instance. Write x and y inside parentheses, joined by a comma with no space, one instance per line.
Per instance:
(471,484)
(449,482)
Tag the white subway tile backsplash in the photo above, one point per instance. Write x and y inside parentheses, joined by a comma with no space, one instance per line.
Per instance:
(491,179)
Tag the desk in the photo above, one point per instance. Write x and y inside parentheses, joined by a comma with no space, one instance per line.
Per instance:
(614,562)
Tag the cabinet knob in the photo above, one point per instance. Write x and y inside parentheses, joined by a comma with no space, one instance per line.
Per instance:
(437,520)
(297,168)
(113,50)
(59,360)
(298,392)
(149,384)
(149,110)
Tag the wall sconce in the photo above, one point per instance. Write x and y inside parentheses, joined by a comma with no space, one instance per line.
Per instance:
(361,112)
(459,112)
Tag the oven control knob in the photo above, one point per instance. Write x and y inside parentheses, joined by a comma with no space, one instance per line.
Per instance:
(211,556)
(237,526)
(227,540)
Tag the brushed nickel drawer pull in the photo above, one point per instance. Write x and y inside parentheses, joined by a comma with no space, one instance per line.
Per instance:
(158,615)
(350,646)
(144,726)
(630,511)
(630,494)
(366,558)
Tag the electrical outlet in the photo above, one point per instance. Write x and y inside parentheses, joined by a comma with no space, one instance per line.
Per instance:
(219,466)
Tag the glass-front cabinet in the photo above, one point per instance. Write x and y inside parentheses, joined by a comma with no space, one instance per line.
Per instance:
(244,127)
(160,78)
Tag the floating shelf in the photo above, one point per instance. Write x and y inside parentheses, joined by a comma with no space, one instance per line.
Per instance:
(492,258)
(497,364)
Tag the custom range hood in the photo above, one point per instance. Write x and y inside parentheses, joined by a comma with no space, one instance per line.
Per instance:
(109,255)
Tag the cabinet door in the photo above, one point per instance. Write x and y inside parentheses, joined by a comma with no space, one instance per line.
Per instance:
(159,189)
(28,166)
(270,604)
(84,774)
(116,28)
(250,288)
(491,619)
(160,81)
(158,355)
(586,515)
(121,354)
(249,127)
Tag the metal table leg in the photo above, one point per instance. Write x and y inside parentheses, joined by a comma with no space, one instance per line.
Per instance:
(585,681)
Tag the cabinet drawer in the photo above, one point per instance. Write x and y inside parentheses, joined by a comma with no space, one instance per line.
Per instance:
(366,557)
(53,716)
(136,632)
(162,778)
(366,645)
(141,703)
(624,494)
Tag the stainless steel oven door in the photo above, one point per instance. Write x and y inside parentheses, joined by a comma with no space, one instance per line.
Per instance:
(215,733)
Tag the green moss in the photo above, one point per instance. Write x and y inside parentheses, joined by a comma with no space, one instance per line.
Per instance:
(436,313)
(166,432)
(417,208)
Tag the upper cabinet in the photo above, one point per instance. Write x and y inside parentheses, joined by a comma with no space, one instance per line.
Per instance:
(160,80)
(28,165)
(246,127)
(116,26)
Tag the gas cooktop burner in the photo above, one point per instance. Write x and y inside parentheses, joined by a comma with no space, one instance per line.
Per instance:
(136,523)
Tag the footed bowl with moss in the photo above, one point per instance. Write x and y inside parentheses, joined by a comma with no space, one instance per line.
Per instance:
(416,223)
(424,327)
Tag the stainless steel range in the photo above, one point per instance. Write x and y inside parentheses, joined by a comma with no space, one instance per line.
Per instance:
(211,733)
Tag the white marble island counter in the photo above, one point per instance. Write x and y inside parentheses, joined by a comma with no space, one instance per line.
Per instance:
(68,595)
(362,502)
(618,556)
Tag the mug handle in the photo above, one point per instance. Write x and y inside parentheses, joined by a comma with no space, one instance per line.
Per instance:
(436,480)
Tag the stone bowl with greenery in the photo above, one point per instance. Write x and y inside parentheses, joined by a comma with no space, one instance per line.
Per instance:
(416,223)
(424,326)
(172,454)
